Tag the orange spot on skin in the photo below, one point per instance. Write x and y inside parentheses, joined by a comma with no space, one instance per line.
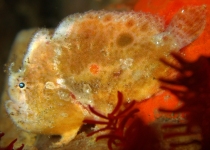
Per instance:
(94,69)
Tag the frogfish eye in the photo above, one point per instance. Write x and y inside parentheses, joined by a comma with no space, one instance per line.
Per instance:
(21,85)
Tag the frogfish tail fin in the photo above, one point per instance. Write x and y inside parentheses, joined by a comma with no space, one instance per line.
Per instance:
(187,24)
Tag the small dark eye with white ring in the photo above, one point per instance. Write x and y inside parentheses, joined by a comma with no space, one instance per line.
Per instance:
(21,85)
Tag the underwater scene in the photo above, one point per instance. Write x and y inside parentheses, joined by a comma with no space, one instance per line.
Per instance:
(105,75)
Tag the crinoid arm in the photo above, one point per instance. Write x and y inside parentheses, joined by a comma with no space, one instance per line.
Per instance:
(11,145)
(195,77)
(115,123)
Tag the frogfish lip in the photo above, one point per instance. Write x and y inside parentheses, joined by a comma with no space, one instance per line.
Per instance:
(14,107)
(11,107)
(11,94)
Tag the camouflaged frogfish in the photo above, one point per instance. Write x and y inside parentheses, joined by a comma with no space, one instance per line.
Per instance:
(87,59)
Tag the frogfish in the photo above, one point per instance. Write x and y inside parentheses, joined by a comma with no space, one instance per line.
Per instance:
(87,59)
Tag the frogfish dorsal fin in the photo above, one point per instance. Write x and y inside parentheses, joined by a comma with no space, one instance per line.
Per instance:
(187,24)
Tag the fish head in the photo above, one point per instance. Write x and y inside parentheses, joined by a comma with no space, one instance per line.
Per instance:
(39,101)
(24,84)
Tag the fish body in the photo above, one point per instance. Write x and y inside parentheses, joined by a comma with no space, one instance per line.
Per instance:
(87,59)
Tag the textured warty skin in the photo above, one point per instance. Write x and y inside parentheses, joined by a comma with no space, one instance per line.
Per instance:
(87,60)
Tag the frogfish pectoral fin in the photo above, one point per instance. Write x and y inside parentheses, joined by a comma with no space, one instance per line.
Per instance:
(66,138)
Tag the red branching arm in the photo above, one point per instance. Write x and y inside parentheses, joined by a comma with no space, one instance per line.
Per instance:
(11,145)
